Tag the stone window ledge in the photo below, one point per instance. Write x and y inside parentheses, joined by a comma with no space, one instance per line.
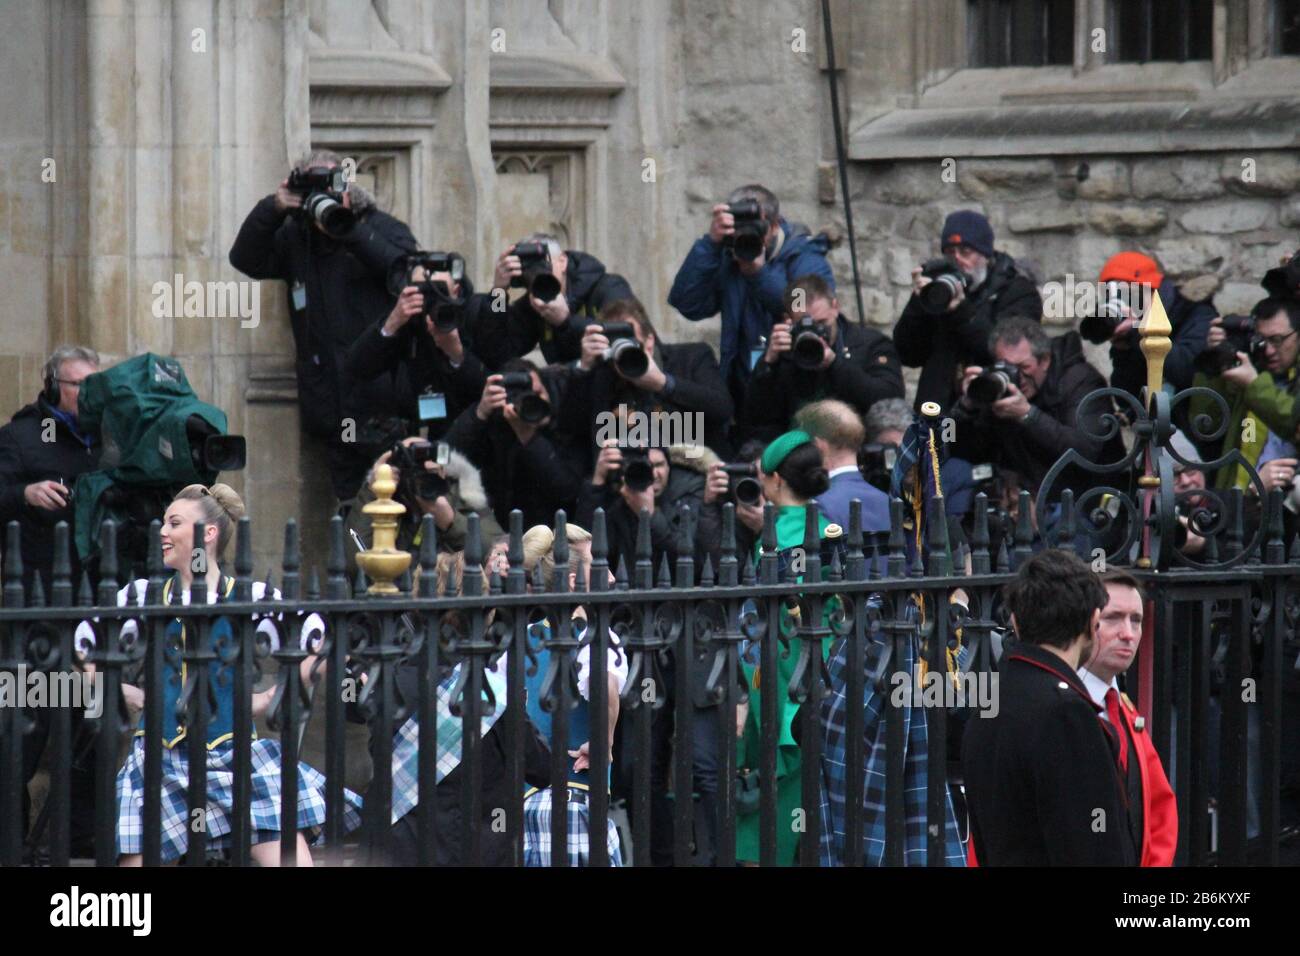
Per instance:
(331,68)
(554,73)
(1053,111)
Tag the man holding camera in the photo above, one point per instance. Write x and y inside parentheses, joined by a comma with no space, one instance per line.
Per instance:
(432,479)
(510,437)
(816,353)
(419,350)
(624,368)
(1118,317)
(741,268)
(1023,412)
(956,302)
(657,480)
(334,251)
(563,292)
(1261,391)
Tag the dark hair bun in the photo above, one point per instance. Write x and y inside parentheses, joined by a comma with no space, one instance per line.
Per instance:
(804,472)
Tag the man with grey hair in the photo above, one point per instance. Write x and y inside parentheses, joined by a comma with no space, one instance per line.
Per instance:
(338,284)
(722,274)
(1027,410)
(574,287)
(43,451)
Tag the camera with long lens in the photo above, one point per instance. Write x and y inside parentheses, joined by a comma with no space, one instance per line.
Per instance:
(808,349)
(321,189)
(750,238)
(537,276)
(743,484)
(447,310)
(946,279)
(876,464)
(994,383)
(1100,327)
(413,478)
(531,407)
(1240,337)
(1283,282)
(636,471)
(624,350)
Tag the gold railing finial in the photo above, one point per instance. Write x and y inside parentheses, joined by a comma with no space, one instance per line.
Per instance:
(1154,330)
(383,563)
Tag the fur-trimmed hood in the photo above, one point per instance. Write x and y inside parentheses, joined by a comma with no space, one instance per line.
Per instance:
(697,458)
(469,483)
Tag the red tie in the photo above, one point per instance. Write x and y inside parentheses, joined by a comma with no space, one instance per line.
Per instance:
(1117,721)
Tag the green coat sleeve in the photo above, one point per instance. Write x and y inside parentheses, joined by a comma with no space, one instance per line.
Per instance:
(1276,407)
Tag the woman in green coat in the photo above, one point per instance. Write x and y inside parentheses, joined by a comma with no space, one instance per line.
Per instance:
(792,476)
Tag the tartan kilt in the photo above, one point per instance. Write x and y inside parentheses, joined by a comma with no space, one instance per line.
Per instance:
(264,804)
(537,832)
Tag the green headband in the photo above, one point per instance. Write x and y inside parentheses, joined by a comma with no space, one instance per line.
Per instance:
(780,448)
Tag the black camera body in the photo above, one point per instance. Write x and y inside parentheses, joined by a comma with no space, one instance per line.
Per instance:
(322,189)
(624,350)
(537,276)
(744,485)
(750,238)
(1240,337)
(413,479)
(446,310)
(531,407)
(636,471)
(809,337)
(876,464)
(993,383)
(946,279)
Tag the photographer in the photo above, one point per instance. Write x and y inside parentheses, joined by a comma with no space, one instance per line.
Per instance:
(1023,412)
(564,291)
(837,432)
(619,485)
(42,453)
(623,363)
(741,268)
(510,437)
(334,251)
(419,350)
(1260,388)
(1117,321)
(816,353)
(450,491)
(946,327)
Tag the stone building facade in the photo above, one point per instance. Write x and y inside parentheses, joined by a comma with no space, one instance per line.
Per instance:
(135,135)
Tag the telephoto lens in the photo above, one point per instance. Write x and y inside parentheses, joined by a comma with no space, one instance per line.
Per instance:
(993,383)
(537,276)
(751,237)
(745,489)
(808,349)
(624,350)
(532,408)
(638,473)
(946,279)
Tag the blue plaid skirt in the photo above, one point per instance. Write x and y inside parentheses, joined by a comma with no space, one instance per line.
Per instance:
(537,832)
(264,794)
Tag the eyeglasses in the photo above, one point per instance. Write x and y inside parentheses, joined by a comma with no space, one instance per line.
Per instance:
(69,382)
(1276,340)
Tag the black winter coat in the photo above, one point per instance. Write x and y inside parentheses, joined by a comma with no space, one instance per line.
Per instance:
(865,371)
(1190,321)
(346,284)
(500,336)
(537,478)
(698,388)
(1042,776)
(941,345)
(1032,449)
(25,459)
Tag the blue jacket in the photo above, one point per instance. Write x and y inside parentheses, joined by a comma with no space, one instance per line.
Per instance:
(708,282)
(834,502)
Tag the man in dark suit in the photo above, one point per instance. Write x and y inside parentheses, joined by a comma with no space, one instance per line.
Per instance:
(837,431)
(1041,775)
(680,389)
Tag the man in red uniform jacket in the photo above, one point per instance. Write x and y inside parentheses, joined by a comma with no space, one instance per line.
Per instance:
(1153,813)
